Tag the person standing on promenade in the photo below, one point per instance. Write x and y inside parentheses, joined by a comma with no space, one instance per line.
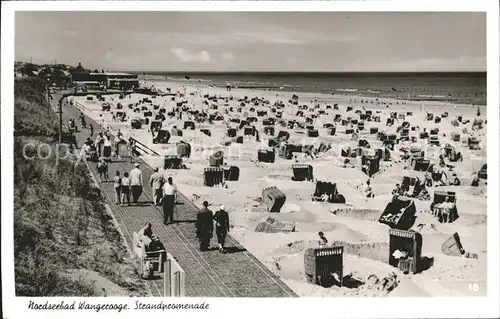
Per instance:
(82,121)
(99,142)
(222,226)
(107,147)
(168,201)
(136,183)
(125,189)
(204,227)
(156,182)
(131,149)
(118,187)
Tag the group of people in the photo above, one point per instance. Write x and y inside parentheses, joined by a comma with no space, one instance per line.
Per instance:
(130,185)
(205,222)
(72,125)
(419,190)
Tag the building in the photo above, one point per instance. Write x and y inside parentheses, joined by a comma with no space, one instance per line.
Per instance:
(119,81)
(122,80)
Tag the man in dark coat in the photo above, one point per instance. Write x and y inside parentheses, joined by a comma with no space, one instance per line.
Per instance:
(222,226)
(204,227)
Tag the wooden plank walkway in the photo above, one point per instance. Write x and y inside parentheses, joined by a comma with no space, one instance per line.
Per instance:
(208,274)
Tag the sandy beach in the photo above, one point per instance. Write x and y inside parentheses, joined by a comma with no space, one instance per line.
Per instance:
(353,224)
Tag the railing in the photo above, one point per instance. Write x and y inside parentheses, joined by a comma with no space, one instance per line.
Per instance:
(143,148)
(80,106)
(174,278)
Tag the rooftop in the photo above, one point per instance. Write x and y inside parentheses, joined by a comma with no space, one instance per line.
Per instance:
(112,74)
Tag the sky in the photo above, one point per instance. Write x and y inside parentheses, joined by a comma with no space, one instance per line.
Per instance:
(255,41)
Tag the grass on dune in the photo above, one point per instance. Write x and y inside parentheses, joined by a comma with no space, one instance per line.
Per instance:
(60,221)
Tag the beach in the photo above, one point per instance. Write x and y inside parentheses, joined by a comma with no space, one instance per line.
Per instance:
(354,225)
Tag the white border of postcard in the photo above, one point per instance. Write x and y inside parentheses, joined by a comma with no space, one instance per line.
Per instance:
(16,307)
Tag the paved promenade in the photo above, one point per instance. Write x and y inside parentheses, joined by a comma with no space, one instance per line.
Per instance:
(208,274)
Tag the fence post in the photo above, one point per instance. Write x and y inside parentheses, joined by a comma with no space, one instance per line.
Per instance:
(175,284)
(167,279)
(182,281)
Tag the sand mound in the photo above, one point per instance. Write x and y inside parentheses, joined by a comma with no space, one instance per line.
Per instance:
(279,177)
(295,247)
(364,214)
(189,180)
(374,251)
(290,208)
(297,216)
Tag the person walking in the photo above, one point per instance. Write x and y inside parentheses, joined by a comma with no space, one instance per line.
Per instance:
(204,227)
(125,189)
(222,226)
(136,183)
(102,169)
(168,201)
(91,128)
(82,120)
(156,181)
(118,186)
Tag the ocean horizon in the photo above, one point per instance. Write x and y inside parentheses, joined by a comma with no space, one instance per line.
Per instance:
(454,87)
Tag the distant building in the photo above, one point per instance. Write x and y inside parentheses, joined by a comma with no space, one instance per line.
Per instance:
(122,80)
(110,80)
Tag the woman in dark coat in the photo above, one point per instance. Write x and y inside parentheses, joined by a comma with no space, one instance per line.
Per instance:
(221,218)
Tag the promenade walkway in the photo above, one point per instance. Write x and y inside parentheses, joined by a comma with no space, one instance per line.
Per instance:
(208,274)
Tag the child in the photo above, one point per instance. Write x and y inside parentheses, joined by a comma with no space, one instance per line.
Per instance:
(102,169)
(125,190)
(323,242)
(117,185)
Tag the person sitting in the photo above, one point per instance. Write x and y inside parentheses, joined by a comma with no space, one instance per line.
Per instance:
(145,235)
(423,194)
(85,151)
(155,248)
(438,176)
(444,210)
(427,180)
(455,181)
(147,230)
(323,242)
(475,180)
(447,204)
(367,190)
(442,163)
(365,169)
(398,191)
(417,188)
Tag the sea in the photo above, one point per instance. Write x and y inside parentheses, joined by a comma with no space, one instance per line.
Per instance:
(460,88)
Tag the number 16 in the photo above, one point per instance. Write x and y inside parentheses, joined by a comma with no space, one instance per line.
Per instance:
(474,287)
